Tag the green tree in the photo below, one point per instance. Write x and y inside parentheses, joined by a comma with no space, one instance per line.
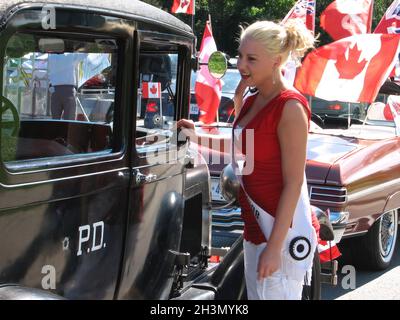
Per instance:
(228,15)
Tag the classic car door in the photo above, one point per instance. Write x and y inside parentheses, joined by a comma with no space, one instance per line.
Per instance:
(156,211)
(64,182)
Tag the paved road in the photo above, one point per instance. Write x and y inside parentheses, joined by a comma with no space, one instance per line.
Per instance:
(369,285)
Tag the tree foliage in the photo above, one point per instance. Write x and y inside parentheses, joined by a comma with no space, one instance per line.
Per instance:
(228,15)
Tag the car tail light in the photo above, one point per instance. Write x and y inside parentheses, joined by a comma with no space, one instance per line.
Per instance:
(328,195)
(335,107)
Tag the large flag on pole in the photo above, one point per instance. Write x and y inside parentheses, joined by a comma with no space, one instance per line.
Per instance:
(183,6)
(351,69)
(390,22)
(344,18)
(207,88)
(303,10)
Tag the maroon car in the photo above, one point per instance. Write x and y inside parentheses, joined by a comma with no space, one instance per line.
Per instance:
(353,169)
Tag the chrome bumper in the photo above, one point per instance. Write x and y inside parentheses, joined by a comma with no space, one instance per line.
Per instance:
(339,221)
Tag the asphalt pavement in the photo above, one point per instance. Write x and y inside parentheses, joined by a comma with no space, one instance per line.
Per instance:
(381,285)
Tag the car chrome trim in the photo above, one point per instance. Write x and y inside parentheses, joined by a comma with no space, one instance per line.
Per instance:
(317,191)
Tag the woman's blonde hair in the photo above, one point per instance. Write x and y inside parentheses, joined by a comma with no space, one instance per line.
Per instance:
(290,39)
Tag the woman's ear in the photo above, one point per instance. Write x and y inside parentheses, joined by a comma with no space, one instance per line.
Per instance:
(278,61)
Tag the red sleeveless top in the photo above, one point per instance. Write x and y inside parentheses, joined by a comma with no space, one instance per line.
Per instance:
(264,184)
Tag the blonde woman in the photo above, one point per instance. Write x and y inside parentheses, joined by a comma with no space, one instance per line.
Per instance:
(279,239)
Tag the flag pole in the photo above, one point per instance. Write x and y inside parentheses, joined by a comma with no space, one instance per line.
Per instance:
(371,16)
(194,12)
(315,12)
(217,114)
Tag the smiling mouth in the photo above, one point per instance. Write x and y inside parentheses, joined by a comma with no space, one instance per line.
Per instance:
(245,76)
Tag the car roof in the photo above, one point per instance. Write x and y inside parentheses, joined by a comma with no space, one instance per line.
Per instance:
(123,8)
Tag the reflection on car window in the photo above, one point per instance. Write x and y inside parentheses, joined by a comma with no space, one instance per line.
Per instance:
(60,97)
(156,97)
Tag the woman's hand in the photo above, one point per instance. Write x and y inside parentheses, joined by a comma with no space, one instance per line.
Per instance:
(185,123)
(268,262)
(185,128)
(238,97)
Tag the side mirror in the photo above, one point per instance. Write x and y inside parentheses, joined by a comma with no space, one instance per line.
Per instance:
(217,64)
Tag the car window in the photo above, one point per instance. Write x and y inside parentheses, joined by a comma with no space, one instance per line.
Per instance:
(156,103)
(230,81)
(225,109)
(57,97)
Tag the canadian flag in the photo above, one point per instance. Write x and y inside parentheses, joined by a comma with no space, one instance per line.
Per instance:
(351,69)
(183,6)
(207,88)
(390,22)
(344,18)
(303,10)
(328,250)
(151,90)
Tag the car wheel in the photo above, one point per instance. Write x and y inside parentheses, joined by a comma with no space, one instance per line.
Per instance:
(313,291)
(376,248)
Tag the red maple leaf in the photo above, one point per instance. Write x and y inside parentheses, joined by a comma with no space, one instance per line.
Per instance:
(185,3)
(350,68)
(153,89)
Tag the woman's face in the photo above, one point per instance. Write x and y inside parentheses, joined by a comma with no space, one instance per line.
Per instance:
(255,64)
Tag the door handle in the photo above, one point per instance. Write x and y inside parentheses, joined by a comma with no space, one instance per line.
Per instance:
(141,178)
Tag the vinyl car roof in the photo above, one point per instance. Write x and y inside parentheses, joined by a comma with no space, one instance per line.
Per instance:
(122,8)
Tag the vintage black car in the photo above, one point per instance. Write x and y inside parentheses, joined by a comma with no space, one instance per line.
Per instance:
(106,205)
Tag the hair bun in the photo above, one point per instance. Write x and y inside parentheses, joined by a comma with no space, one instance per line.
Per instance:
(299,39)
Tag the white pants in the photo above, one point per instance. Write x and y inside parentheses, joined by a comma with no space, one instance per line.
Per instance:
(279,286)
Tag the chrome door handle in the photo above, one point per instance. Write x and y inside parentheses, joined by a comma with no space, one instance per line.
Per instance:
(141,178)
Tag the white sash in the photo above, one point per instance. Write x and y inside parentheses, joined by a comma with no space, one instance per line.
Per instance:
(301,240)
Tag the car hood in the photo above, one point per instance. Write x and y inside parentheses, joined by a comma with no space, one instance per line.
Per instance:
(328,149)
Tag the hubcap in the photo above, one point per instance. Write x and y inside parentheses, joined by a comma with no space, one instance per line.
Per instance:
(387,229)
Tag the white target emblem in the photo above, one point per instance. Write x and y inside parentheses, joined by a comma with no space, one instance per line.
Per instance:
(300,248)
(156,119)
